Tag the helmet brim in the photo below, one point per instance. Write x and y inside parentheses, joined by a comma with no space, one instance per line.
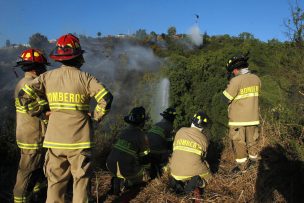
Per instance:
(65,57)
(25,63)
(126,119)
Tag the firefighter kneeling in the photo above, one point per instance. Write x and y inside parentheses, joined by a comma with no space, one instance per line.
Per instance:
(160,140)
(129,157)
(189,170)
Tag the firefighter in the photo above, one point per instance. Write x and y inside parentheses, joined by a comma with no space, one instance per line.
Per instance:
(242,94)
(69,133)
(189,170)
(160,138)
(129,158)
(29,130)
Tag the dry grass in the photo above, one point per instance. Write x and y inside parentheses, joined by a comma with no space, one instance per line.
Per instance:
(260,183)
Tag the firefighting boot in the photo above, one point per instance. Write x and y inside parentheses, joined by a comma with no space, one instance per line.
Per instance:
(194,183)
(117,186)
(241,167)
(39,192)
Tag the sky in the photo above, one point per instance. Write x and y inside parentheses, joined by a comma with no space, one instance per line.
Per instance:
(19,19)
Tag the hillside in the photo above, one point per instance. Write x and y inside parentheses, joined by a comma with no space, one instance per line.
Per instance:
(132,69)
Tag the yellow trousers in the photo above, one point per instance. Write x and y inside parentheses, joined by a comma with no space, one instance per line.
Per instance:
(30,171)
(60,166)
(244,140)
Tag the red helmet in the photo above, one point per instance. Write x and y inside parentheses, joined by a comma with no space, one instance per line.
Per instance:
(31,56)
(67,48)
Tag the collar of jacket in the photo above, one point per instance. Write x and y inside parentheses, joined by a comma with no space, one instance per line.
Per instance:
(29,75)
(194,127)
(244,71)
(72,67)
(134,127)
(163,120)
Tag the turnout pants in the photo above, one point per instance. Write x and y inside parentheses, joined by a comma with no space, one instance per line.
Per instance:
(60,166)
(131,179)
(244,141)
(30,172)
(158,164)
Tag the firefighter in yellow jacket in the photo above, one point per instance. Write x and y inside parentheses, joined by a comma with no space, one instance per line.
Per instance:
(69,133)
(129,157)
(242,94)
(189,170)
(160,138)
(29,130)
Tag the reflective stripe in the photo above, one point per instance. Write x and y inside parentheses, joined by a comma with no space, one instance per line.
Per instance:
(125,149)
(32,105)
(144,153)
(244,123)
(184,178)
(228,95)
(253,156)
(21,111)
(29,91)
(254,94)
(158,131)
(100,94)
(37,187)
(28,146)
(24,109)
(42,102)
(187,149)
(140,173)
(57,145)
(20,199)
(147,166)
(243,160)
(69,106)
(99,109)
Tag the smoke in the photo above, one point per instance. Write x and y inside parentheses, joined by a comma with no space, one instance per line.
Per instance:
(120,64)
(195,35)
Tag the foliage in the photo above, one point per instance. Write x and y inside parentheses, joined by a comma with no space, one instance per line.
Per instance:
(295,24)
(198,79)
(141,34)
(171,31)
(39,41)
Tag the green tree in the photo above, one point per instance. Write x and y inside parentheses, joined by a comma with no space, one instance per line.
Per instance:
(153,36)
(39,41)
(295,24)
(171,31)
(141,34)
(246,35)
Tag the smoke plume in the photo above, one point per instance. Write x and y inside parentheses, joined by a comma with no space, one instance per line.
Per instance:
(195,35)
(120,64)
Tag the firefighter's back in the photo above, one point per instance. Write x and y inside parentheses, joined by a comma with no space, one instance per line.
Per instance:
(188,148)
(158,136)
(28,128)
(244,109)
(125,153)
(68,96)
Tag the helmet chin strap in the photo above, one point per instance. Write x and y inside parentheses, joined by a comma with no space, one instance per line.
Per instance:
(193,126)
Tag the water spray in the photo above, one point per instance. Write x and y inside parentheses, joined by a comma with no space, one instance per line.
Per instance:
(161,99)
